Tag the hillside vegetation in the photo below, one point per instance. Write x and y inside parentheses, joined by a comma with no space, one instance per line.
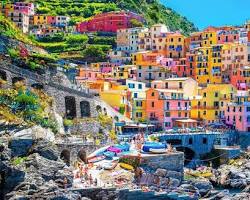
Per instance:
(80,10)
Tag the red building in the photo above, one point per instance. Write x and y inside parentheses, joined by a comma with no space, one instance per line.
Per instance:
(240,78)
(108,22)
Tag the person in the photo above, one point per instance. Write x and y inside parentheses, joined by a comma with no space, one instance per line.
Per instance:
(90,179)
(65,182)
(95,182)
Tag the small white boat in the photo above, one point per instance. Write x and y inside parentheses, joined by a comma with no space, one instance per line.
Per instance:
(157,150)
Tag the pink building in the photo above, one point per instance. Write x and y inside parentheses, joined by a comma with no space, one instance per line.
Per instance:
(51,20)
(109,22)
(237,114)
(226,36)
(25,8)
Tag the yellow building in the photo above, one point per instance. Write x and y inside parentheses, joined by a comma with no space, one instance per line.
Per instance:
(209,37)
(123,72)
(118,97)
(202,58)
(211,103)
(6,8)
(39,20)
(175,43)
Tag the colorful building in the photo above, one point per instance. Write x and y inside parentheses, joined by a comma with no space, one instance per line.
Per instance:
(109,22)
(138,94)
(20,19)
(209,106)
(237,113)
(240,78)
(118,97)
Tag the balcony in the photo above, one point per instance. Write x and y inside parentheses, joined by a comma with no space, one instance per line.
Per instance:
(206,107)
(154,119)
(178,108)
(149,78)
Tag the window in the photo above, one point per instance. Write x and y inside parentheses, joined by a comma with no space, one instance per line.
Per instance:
(167,124)
(139,74)
(152,104)
(248,109)
(167,114)
(139,86)
(180,85)
(216,94)
(152,94)
(150,67)
(204,140)
(190,141)
(135,95)
(166,85)
(248,118)
(179,114)
(138,114)
(139,103)
(204,94)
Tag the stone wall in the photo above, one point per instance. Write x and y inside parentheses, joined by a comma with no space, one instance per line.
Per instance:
(122,194)
(169,161)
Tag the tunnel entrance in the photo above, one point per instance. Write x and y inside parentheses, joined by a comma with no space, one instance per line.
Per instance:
(65,156)
(70,107)
(188,154)
(37,86)
(3,75)
(17,79)
(82,155)
(85,109)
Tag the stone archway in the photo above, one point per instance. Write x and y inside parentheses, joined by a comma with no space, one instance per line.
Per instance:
(188,153)
(65,156)
(82,155)
(98,108)
(17,79)
(85,108)
(38,86)
(3,75)
(70,107)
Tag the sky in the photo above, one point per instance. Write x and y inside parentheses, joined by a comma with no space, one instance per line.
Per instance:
(204,13)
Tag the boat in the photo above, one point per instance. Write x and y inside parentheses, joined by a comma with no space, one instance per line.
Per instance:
(96,159)
(109,154)
(126,166)
(158,150)
(154,145)
(114,149)
(110,166)
(98,152)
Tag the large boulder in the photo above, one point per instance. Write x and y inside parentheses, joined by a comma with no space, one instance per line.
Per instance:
(45,149)
(161,172)
(20,147)
(173,182)
(35,132)
(174,174)
(204,187)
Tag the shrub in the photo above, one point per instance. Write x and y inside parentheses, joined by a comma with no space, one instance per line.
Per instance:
(13,53)
(18,160)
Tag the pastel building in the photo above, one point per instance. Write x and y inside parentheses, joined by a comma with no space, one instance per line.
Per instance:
(175,43)
(138,99)
(124,72)
(25,8)
(240,78)
(165,106)
(118,97)
(209,105)
(62,21)
(128,39)
(227,36)
(209,37)
(234,56)
(20,19)
(237,113)
(153,38)
(148,73)
(109,22)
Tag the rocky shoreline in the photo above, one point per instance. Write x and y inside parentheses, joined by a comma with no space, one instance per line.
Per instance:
(33,170)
